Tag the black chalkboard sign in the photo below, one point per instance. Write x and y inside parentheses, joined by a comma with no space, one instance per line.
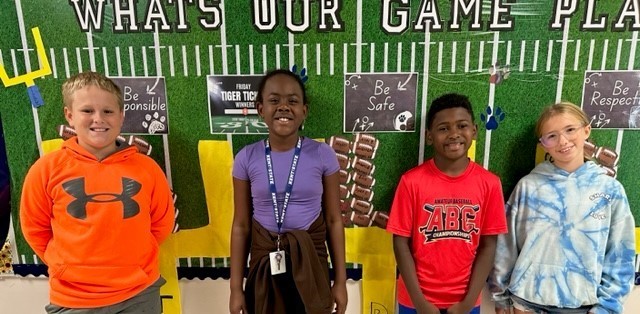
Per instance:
(611,99)
(145,105)
(380,102)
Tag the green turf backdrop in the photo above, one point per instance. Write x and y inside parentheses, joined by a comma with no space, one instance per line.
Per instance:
(185,58)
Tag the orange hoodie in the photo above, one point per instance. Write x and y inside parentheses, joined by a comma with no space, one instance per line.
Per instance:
(96,224)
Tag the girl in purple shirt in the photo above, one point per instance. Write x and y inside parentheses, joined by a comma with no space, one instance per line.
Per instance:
(286,196)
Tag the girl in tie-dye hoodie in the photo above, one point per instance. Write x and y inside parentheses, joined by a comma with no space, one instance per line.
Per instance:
(570,246)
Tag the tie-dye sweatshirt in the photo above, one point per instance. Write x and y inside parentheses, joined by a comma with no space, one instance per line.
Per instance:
(570,242)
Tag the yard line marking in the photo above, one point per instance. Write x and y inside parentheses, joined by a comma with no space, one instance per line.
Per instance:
(172,70)
(157,57)
(318,64)
(413,56)
(591,49)
(425,84)
(196,50)
(536,49)
(372,51)
(454,50)
(439,67)
(577,56)
(131,62)
(118,61)
(605,48)
(251,63)
(292,49)
(167,159)
(399,57)
(632,50)
(52,61)
(345,56)
(491,101)
(23,40)
(144,59)
(331,58)
(105,60)
(91,48)
(238,67)
(523,46)
(386,57)
(211,64)
(549,54)
(185,64)
(304,56)
(65,56)
(508,60)
(15,62)
(358,37)
(563,60)
(466,56)
(278,56)
(79,59)
(223,47)
(618,52)
(481,55)
(264,58)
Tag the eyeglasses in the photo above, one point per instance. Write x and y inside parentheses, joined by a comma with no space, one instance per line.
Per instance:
(552,139)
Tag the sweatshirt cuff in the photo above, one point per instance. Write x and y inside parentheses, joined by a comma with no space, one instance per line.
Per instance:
(598,310)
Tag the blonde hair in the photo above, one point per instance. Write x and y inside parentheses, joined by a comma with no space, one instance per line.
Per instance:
(560,108)
(84,79)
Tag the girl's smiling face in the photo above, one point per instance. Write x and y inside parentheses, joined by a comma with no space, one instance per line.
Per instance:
(563,137)
(282,105)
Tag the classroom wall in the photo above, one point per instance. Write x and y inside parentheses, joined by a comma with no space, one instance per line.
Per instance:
(368,68)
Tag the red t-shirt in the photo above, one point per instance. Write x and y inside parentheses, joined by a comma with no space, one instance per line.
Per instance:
(444,217)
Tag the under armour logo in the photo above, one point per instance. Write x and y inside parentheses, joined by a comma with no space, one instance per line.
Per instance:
(77,208)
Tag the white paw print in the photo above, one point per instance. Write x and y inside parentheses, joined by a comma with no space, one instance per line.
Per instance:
(154,123)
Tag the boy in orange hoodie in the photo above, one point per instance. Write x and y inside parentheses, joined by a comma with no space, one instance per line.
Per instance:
(96,211)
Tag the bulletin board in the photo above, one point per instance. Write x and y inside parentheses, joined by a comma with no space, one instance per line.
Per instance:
(510,60)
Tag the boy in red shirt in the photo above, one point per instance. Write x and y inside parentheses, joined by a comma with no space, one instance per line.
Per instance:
(445,217)
(96,211)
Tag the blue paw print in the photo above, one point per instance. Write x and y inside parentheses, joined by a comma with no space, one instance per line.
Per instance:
(303,73)
(492,121)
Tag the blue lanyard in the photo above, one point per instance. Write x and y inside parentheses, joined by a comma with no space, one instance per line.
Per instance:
(272,183)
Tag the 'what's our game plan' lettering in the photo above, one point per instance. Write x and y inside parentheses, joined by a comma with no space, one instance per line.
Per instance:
(396,16)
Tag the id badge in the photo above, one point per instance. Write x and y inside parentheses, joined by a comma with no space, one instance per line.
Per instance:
(278,263)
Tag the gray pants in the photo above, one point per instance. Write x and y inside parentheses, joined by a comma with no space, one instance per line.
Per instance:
(147,301)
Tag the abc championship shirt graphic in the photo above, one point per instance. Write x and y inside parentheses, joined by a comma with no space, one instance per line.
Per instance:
(450,218)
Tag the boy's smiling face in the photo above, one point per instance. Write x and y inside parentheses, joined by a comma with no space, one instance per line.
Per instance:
(97,119)
(451,134)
